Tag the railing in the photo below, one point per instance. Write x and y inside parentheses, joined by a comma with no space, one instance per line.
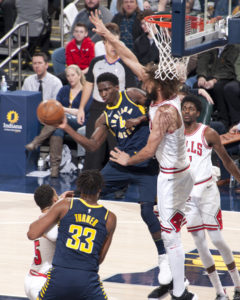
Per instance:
(13,51)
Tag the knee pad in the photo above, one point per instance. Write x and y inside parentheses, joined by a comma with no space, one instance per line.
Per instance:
(149,217)
(172,239)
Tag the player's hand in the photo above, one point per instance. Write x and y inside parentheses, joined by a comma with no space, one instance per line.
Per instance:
(119,157)
(206,95)
(67,194)
(64,123)
(97,22)
(81,116)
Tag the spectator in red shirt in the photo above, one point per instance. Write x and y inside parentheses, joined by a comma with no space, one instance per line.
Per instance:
(80,50)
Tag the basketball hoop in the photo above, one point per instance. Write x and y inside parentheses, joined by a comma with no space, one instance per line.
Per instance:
(170,67)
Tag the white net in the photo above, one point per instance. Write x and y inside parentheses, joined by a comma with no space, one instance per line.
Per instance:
(169,67)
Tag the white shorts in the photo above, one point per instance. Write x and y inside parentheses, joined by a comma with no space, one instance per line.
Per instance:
(173,191)
(33,285)
(203,208)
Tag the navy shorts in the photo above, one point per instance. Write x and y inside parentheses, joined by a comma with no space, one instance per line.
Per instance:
(74,284)
(117,177)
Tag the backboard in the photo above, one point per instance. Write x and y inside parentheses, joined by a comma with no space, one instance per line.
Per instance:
(211,31)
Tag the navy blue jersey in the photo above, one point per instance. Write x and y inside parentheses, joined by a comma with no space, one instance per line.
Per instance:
(81,235)
(128,140)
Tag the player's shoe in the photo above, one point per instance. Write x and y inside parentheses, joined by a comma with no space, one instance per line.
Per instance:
(222,297)
(186,296)
(165,274)
(160,292)
(236,295)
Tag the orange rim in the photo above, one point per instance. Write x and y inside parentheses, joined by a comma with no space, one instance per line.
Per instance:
(195,21)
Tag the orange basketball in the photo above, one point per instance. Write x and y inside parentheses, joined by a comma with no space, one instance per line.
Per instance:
(50,112)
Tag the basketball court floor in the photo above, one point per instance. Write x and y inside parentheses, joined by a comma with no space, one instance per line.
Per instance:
(130,268)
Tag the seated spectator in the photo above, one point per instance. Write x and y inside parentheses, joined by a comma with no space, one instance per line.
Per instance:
(80,50)
(128,22)
(215,68)
(34,12)
(58,56)
(144,46)
(115,6)
(42,80)
(69,96)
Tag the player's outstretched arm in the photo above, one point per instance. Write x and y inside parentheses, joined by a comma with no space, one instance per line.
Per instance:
(125,54)
(97,138)
(161,123)
(47,221)
(213,139)
(111,225)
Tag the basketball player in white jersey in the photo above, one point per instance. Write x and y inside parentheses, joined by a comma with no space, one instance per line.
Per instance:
(45,196)
(203,210)
(167,142)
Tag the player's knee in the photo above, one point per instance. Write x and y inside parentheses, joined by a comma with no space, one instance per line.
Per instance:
(149,217)
(172,239)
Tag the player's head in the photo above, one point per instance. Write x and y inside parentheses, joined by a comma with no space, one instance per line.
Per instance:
(114,29)
(108,87)
(80,31)
(89,182)
(191,109)
(45,196)
(155,86)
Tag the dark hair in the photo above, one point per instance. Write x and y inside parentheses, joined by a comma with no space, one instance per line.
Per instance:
(193,99)
(89,182)
(145,13)
(43,196)
(42,54)
(169,87)
(107,76)
(79,24)
(113,28)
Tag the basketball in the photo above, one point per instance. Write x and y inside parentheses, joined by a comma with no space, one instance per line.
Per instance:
(50,112)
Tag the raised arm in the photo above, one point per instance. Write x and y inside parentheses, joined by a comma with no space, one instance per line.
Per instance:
(124,53)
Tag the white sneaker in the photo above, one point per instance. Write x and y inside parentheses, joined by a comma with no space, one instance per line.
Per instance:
(165,274)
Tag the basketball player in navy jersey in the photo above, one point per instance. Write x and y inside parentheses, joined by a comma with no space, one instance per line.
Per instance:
(121,107)
(203,210)
(84,236)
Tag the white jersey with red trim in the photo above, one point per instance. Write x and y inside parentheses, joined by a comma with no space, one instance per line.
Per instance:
(44,248)
(199,154)
(171,152)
